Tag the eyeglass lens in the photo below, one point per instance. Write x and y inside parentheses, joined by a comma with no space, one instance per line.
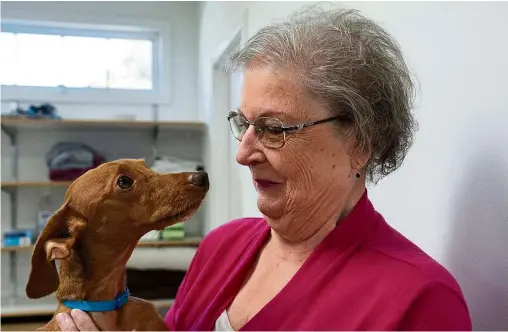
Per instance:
(268,130)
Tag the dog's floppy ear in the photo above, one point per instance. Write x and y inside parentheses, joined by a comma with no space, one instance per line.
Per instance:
(55,242)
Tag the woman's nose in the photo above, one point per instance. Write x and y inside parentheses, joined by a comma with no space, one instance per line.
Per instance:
(248,148)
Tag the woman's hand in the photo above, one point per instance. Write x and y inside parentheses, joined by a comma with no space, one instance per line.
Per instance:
(77,321)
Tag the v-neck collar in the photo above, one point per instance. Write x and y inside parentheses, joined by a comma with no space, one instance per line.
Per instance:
(336,247)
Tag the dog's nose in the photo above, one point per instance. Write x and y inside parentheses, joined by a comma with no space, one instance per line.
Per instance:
(200,179)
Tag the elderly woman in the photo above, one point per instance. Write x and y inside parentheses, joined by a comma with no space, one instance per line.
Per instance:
(325,107)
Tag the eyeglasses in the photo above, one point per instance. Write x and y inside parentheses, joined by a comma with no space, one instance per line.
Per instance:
(271,132)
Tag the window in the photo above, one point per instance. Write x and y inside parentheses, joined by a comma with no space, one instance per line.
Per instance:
(56,57)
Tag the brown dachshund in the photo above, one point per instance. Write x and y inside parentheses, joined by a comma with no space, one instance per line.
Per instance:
(105,213)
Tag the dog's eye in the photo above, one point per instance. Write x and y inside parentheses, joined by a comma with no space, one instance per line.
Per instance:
(124,182)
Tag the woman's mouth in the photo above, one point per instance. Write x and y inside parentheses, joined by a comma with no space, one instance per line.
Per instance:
(262,184)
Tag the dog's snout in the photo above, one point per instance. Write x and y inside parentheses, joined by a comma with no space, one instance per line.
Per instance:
(200,179)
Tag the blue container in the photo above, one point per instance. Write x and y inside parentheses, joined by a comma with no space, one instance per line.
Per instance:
(19,237)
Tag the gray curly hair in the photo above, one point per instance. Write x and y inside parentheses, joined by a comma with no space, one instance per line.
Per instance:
(354,67)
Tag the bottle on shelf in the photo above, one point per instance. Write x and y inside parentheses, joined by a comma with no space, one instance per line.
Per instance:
(45,212)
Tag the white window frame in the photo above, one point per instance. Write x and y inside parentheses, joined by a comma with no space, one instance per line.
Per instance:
(85,95)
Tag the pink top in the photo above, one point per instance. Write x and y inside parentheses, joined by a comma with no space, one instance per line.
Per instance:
(363,276)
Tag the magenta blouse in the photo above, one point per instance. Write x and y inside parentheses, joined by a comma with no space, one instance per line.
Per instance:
(363,276)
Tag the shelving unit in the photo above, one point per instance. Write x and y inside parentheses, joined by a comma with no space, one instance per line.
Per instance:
(18,306)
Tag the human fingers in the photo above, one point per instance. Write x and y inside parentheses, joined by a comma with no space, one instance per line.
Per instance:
(83,321)
(65,322)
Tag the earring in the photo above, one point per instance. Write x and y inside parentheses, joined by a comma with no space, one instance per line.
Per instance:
(357,175)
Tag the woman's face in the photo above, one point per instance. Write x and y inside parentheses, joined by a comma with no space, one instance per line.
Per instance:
(311,176)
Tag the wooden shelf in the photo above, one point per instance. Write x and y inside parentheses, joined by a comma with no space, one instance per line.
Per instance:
(18,123)
(188,242)
(24,307)
(44,307)
(12,186)
(17,248)
(35,184)
(163,303)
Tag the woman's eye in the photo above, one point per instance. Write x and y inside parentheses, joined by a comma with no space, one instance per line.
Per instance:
(124,182)
(274,129)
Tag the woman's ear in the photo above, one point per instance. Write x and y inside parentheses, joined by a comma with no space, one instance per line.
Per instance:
(358,161)
(56,241)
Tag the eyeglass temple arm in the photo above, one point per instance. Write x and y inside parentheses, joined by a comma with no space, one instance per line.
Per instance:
(309,124)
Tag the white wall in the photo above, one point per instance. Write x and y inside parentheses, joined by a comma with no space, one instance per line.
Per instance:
(451,195)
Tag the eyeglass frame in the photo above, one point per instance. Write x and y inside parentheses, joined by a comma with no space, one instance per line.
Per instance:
(284,129)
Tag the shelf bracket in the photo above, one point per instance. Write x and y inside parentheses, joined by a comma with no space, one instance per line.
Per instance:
(13,273)
(12,134)
(155,132)
(9,132)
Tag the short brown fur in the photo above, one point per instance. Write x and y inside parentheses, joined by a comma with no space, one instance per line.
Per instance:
(95,231)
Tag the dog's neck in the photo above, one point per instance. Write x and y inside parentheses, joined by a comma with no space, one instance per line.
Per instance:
(95,270)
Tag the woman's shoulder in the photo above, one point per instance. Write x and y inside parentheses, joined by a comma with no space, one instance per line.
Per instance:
(234,234)
(407,264)
(240,225)
(426,288)
(243,227)
(218,258)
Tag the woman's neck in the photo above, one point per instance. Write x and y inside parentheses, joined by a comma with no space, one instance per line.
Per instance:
(298,249)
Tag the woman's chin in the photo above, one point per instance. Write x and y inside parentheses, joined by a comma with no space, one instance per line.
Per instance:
(270,207)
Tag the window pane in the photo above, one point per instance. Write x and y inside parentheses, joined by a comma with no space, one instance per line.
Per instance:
(7,58)
(130,64)
(83,64)
(38,60)
(75,62)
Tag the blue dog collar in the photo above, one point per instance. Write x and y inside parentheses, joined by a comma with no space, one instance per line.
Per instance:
(99,306)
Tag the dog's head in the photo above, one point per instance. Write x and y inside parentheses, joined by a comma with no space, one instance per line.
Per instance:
(123,199)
